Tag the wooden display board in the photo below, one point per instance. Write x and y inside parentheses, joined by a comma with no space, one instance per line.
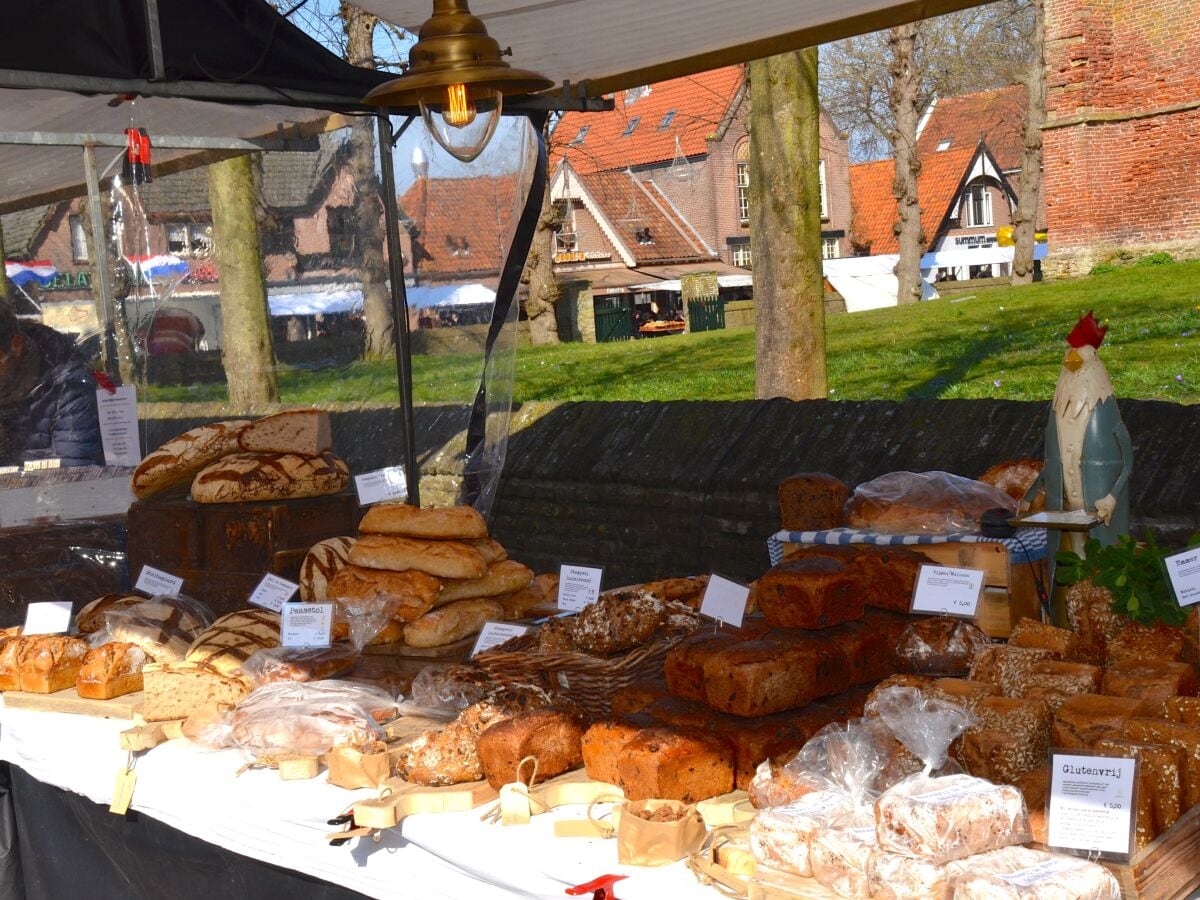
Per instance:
(69,701)
(1167,869)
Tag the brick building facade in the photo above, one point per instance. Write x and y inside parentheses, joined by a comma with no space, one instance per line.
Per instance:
(1122,138)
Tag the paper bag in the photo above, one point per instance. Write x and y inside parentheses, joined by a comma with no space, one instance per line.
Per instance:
(358,765)
(641,842)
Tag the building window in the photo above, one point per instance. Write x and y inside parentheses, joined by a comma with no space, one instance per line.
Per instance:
(824,193)
(633,123)
(829,248)
(189,239)
(565,240)
(580,137)
(667,119)
(339,223)
(743,192)
(79,246)
(976,208)
(943,145)
(741,255)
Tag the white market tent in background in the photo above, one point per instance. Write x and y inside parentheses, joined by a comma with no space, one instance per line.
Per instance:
(344,298)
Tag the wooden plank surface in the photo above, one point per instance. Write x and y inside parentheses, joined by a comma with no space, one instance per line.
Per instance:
(457,650)
(1168,869)
(69,701)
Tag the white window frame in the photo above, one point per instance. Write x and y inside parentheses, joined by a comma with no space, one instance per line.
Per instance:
(824,192)
(741,255)
(830,248)
(967,219)
(79,242)
(743,192)
(197,241)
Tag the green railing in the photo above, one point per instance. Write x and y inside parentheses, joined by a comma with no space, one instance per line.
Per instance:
(706,314)
(614,319)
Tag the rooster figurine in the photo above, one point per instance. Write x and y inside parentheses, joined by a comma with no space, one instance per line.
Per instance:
(1088,453)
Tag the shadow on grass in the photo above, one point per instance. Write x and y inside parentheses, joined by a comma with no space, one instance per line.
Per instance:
(957,369)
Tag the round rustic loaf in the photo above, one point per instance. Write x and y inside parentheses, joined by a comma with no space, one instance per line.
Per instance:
(249,477)
(177,461)
(1015,477)
(90,619)
(234,638)
(323,561)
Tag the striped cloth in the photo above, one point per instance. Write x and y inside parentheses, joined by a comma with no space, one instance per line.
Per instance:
(1029,544)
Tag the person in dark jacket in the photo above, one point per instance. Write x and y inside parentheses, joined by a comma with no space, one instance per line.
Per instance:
(47,397)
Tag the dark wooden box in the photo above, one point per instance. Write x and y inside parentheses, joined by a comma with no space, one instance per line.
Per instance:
(222,550)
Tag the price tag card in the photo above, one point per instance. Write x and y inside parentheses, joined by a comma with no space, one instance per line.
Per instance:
(496,633)
(10,470)
(41,465)
(154,581)
(272,592)
(1091,804)
(380,485)
(578,586)
(1183,571)
(946,591)
(725,600)
(305,624)
(48,618)
(119,425)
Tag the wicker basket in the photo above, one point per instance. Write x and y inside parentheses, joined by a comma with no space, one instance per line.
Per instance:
(590,681)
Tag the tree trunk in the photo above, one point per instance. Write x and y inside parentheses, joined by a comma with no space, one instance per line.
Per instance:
(785,227)
(543,289)
(905,84)
(246,350)
(368,223)
(1029,187)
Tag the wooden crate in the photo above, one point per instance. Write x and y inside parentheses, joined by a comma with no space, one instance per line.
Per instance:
(1169,868)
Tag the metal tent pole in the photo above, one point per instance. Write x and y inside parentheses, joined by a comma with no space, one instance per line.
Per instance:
(104,292)
(387,141)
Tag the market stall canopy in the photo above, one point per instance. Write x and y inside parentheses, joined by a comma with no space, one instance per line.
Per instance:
(599,46)
(344,298)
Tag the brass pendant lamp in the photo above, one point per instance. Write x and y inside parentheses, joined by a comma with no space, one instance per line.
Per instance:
(458,78)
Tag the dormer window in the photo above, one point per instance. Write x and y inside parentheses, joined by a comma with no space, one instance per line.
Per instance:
(579,138)
(943,144)
(633,123)
(667,119)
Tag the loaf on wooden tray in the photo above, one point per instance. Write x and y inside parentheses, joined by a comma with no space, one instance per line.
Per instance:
(404,519)
(176,690)
(405,595)
(813,592)
(444,559)
(811,501)
(234,638)
(304,431)
(51,663)
(12,652)
(551,737)
(177,462)
(1160,784)
(111,670)
(250,477)
(670,763)
(323,561)
(1086,718)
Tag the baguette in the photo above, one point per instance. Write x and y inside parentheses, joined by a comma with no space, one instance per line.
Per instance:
(501,578)
(248,477)
(407,595)
(451,622)
(445,559)
(458,522)
(305,431)
(178,461)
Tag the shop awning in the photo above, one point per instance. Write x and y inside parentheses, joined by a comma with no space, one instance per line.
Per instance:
(725,281)
(604,278)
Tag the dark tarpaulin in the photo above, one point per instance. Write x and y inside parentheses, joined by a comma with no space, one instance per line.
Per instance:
(240,41)
(71,847)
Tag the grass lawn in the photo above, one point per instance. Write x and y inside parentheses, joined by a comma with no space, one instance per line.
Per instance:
(998,342)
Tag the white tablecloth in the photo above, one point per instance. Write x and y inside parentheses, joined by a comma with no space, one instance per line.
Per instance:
(426,857)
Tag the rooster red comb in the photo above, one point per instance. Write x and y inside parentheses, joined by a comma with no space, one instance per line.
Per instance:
(1087,331)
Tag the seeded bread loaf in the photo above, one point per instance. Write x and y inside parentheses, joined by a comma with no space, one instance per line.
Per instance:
(323,561)
(51,663)
(1176,734)
(962,691)
(234,638)
(1086,718)
(1152,680)
(303,431)
(1011,738)
(1162,769)
(1055,681)
(670,763)
(178,461)
(406,520)
(247,477)
(1137,641)
(1007,667)
(448,755)
(811,501)
(552,737)
(1062,644)
(1182,709)
(111,670)
(444,559)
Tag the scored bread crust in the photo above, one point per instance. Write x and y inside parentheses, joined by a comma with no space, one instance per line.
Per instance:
(249,477)
(501,578)
(324,560)
(451,622)
(234,638)
(407,595)
(461,522)
(445,559)
(177,461)
(90,619)
(111,670)
(304,431)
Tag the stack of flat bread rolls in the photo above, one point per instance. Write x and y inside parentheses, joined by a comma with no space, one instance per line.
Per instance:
(436,571)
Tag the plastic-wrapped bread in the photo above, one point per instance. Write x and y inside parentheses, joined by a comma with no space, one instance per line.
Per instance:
(895,877)
(780,836)
(949,818)
(840,855)
(1018,873)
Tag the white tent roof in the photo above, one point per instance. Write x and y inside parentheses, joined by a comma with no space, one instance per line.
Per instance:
(615,44)
(344,298)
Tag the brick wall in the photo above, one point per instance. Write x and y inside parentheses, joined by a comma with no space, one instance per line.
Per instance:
(1128,176)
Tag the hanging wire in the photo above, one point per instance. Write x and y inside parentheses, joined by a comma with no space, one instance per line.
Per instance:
(681,169)
(634,214)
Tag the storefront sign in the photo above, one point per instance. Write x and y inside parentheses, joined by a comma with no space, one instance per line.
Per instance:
(1091,804)
(725,601)
(272,592)
(53,617)
(946,591)
(117,410)
(380,485)
(1183,570)
(970,241)
(578,586)
(305,624)
(154,581)
(496,633)
(41,465)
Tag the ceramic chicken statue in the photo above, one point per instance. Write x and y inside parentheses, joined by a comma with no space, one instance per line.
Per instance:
(1088,453)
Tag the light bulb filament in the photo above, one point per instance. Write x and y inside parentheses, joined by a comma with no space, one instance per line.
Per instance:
(459,111)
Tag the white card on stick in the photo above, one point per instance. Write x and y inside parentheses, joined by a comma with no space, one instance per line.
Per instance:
(272,592)
(496,633)
(305,624)
(1091,804)
(578,586)
(380,485)
(1183,571)
(725,600)
(53,617)
(947,591)
(117,411)
(154,581)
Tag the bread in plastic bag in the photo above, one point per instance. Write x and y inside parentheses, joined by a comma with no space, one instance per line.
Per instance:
(892,876)
(841,854)
(1019,873)
(163,626)
(440,692)
(299,664)
(923,503)
(780,835)
(939,646)
(362,620)
(309,718)
(209,727)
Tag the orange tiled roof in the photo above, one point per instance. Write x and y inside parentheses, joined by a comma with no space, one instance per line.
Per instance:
(464,223)
(699,103)
(631,207)
(995,117)
(875,207)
